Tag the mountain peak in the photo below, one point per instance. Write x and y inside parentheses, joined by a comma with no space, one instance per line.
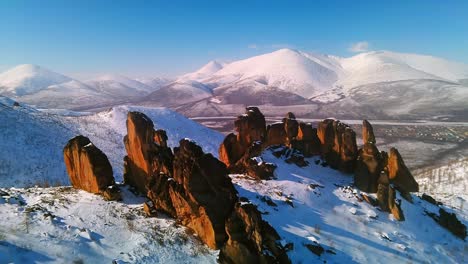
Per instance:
(29,78)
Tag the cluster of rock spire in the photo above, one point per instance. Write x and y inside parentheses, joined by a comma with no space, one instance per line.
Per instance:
(195,188)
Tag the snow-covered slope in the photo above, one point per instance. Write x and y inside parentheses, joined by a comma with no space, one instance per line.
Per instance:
(119,86)
(290,70)
(316,205)
(27,78)
(206,71)
(31,141)
(155,82)
(63,225)
(178,93)
(378,84)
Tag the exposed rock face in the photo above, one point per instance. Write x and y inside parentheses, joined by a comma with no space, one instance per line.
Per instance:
(139,143)
(147,151)
(394,205)
(368,167)
(451,222)
(309,143)
(87,166)
(230,150)
(207,188)
(399,174)
(371,163)
(291,126)
(251,240)
(338,144)
(276,134)
(367,133)
(250,127)
(253,165)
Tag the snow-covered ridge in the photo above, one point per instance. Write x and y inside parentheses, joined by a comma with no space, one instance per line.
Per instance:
(27,78)
(32,141)
(308,74)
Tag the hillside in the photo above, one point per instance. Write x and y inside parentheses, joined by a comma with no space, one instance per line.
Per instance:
(31,143)
(325,210)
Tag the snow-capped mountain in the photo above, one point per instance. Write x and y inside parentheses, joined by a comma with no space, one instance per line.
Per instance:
(116,85)
(155,82)
(27,78)
(380,84)
(206,71)
(178,93)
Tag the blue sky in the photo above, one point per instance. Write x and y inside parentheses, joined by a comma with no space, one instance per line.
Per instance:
(140,38)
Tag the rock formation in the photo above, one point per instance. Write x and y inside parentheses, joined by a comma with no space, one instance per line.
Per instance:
(291,127)
(368,168)
(276,134)
(147,151)
(307,140)
(194,187)
(371,163)
(87,166)
(399,174)
(251,240)
(367,133)
(250,127)
(138,143)
(338,144)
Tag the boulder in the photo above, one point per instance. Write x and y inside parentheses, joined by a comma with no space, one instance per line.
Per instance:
(367,133)
(87,166)
(399,174)
(250,239)
(451,222)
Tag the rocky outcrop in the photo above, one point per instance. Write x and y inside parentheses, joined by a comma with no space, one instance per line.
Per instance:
(291,126)
(147,151)
(250,127)
(139,143)
(369,166)
(194,188)
(399,174)
(307,140)
(251,240)
(87,166)
(203,195)
(450,222)
(367,133)
(230,151)
(338,144)
(276,134)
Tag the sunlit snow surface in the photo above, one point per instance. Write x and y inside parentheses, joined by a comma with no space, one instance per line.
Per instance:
(352,231)
(31,141)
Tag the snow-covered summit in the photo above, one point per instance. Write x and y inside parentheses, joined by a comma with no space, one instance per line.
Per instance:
(28,78)
(207,70)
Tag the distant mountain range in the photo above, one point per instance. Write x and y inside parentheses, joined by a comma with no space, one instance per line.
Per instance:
(378,84)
